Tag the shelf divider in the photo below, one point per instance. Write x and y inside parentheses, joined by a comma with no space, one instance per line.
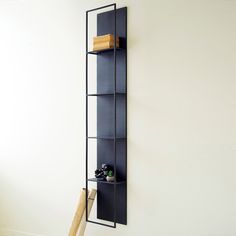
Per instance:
(97,52)
(106,182)
(105,94)
(108,138)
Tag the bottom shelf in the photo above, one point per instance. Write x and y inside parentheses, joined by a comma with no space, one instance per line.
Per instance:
(108,208)
(106,182)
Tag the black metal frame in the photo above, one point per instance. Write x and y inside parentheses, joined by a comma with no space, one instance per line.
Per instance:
(114,95)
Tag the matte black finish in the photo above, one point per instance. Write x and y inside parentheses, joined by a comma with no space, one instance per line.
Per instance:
(111,117)
(106,119)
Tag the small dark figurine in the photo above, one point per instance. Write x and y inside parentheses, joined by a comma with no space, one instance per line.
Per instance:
(103,172)
(99,173)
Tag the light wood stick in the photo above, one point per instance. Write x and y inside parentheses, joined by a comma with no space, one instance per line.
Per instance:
(83,224)
(78,214)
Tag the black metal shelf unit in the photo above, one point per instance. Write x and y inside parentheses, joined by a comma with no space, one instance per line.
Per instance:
(111,98)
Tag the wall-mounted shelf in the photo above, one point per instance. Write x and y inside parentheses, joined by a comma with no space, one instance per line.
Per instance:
(111,109)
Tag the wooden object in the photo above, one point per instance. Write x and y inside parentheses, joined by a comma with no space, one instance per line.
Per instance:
(78,214)
(104,42)
(104,45)
(104,38)
(83,224)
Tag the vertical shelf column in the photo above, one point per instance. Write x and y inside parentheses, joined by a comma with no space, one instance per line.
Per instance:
(111,116)
(115,167)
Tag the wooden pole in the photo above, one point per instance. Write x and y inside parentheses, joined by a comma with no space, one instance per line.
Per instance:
(78,214)
(91,199)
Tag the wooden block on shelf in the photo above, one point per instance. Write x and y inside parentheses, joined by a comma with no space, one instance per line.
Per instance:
(105,38)
(104,45)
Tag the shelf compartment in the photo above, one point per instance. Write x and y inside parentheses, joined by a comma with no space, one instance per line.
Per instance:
(101,117)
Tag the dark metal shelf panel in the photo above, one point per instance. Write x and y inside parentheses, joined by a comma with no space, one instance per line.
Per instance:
(106,182)
(105,94)
(97,52)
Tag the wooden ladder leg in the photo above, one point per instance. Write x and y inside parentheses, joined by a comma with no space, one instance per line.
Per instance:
(91,199)
(78,214)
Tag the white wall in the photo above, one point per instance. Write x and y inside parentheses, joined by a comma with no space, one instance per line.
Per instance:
(181,117)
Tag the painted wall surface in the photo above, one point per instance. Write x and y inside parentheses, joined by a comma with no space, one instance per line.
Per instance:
(181,117)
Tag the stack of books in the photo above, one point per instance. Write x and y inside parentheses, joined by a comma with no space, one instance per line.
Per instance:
(104,42)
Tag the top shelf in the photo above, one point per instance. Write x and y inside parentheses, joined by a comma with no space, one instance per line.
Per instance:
(104,51)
